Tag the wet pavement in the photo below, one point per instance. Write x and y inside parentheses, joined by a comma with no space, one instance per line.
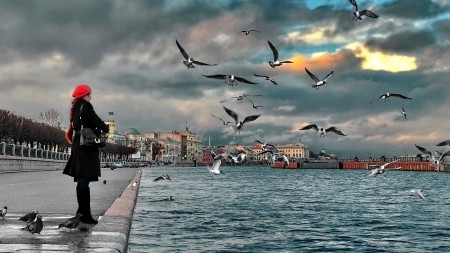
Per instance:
(53,195)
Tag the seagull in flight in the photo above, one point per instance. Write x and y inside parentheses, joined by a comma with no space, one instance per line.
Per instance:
(322,132)
(265,146)
(276,62)
(318,82)
(239,158)
(238,127)
(223,121)
(417,192)
(254,106)
(380,169)
(403,112)
(357,14)
(214,170)
(240,97)
(444,143)
(268,78)
(247,32)
(388,95)
(434,162)
(230,79)
(190,61)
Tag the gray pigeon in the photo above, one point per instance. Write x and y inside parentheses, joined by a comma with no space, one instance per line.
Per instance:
(3,212)
(72,222)
(36,226)
(29,217)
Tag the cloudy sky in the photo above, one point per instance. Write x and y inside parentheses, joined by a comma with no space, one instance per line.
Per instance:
(126,51)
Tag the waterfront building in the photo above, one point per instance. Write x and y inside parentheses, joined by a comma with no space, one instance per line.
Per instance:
(294,151)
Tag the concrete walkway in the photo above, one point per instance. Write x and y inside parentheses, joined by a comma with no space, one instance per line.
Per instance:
(53,195)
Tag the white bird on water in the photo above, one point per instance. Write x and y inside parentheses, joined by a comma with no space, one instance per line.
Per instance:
(417,192)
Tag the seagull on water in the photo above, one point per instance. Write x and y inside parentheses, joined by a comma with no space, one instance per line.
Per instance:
(170,198)
(403,112)
(388,95)
(163,177)
(318,82)
(268,78)
(434,162)
(357,14)
(276,62)
(190,61)
(322,132)
(231,80)
(417,192)
(247,32)
(380,169)
(238,126)
(3,212)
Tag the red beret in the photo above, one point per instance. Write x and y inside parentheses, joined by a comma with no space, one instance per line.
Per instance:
(81,90)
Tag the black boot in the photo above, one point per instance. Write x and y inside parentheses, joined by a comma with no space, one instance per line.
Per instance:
(84,203)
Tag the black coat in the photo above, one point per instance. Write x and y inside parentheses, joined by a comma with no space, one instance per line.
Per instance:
(84,161)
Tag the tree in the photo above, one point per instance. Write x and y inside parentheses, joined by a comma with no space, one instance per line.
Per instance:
(51,117)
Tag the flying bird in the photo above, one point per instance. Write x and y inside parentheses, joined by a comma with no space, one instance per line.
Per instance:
(444,143)
(265,146)
(254,106)
(163,177)
(238,127)
(357,14)
(317,81)
(434,162)
(71,222)
(190,61)
(3,212)
(380,169)
(214,170)
(276,62)
(403,112)
(388,95)
(417,192)
(29,217)
(230,79)
(240,97)
(35,226)
(247,32)
(322,132)
(241,157)
(224,122)
(268,78)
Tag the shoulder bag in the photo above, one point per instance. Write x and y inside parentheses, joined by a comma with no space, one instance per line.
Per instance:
(91,137)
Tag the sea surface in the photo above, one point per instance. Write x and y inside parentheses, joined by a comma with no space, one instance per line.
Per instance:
(260,209)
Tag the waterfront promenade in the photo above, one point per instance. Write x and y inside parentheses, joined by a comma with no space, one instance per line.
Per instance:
(53,195)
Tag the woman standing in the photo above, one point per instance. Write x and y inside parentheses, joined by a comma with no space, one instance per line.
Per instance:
(84,162)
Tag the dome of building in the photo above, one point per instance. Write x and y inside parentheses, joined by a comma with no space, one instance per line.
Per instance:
(132,131)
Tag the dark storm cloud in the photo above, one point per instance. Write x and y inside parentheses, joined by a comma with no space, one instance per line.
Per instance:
(403,42)
(411,9)
(443,29)
(87,30)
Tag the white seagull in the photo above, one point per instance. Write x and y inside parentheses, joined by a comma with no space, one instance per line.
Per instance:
(318,82)
(231,80)
(417,192)
(276,62)
(322,132)
(190,61)
(357,14)
(403,112)
(268,78)
(380,169)
(224,122)
(264,146)
(239,158)
(444,143)
(247,32)
(434,162)
(388,95)
(238,127)
(240,97)
(214,170)
(254,106)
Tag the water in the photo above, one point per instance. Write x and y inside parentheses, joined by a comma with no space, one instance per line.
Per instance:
(259,209)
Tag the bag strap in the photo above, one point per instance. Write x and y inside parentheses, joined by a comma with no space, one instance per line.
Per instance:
(81,121)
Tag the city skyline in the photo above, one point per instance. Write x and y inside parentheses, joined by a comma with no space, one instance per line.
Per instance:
(126,52)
